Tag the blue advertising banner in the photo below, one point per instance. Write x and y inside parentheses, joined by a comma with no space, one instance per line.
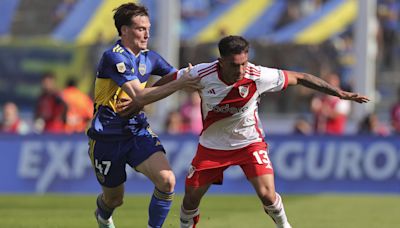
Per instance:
(303,164)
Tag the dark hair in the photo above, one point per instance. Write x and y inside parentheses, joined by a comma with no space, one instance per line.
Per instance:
(71,82)
(231,45)
(124,13)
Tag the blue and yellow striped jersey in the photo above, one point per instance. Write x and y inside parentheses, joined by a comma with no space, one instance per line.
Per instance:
(118,66)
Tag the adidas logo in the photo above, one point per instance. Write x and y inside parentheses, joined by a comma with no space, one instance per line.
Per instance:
(211,91)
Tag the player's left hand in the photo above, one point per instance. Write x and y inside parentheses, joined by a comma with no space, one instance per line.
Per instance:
(192,84)
(354,97)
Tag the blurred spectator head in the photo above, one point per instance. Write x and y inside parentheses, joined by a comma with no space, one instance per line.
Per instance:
(48,82)
(333,79)
(71,82)
(174,123)
(370,124)
(10,120)
(302,126)
(10,113)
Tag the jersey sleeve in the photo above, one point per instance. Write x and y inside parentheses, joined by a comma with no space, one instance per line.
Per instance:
(194,72)
(271,80)
(161,66)
(119,68)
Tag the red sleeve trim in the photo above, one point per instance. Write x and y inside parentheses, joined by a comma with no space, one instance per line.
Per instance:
(285,85)
(175,75)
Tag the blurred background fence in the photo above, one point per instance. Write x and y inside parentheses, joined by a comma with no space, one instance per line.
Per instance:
(303,165)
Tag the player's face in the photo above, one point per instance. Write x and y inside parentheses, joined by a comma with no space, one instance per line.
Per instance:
(233,67)
(137,35)
(48,84)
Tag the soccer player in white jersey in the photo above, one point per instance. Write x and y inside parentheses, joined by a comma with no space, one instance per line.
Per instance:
(232,133)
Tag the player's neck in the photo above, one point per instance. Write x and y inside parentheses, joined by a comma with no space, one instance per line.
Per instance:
(228,79)
(131,48)
(227,76)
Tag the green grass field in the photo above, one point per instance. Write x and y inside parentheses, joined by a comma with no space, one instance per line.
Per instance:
(328,211)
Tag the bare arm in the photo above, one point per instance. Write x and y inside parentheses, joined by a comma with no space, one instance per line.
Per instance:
(143,96)
(313,82)
(166,79)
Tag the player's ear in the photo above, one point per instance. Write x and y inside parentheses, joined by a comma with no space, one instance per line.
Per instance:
(124,29)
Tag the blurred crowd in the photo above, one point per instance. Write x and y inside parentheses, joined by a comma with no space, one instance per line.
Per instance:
(68,110)
(330,115)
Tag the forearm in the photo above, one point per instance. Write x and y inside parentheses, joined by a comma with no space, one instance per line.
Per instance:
(166,79)
(153,94)
(318,84)
(147,96)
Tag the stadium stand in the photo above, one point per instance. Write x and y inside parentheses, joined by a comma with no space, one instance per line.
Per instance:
(28,22)
(84,25)
(266,23)
(7,9)
(336,15)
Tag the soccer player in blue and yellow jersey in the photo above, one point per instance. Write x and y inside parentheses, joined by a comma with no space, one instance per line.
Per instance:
(116,140)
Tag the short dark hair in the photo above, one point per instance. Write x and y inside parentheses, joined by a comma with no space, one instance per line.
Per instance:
(71,82)
(231,45)
(124,13)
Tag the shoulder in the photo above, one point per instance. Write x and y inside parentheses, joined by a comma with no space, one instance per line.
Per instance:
(205,69)
(154,57)
(263,71)
(253,70)
(115,54)
(201,69)
(258,70)
(151,55)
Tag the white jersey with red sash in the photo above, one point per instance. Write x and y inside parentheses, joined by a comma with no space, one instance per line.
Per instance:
(230,112)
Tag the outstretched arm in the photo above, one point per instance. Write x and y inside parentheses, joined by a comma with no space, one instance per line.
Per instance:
(139,97)
(313,82)
(166,79)
(173,76)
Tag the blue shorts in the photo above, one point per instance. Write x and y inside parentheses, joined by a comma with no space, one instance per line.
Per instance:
(109,158)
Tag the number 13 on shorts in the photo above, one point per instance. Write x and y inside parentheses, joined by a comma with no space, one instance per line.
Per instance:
(262,158)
